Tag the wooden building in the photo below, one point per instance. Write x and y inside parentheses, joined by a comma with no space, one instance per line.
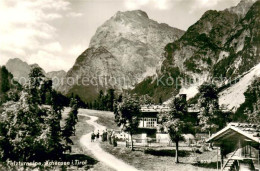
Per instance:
(239,145)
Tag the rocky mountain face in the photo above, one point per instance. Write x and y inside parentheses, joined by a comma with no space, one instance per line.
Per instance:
(20,71)
(57,78)
(221,45)
(124,50)
(58,74)
(136,41)
(244,44)
(242,8)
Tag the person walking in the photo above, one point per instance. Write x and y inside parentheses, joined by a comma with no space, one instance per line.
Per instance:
(103,136)
(113,139)
(97,136)
(109,134)
(93,137)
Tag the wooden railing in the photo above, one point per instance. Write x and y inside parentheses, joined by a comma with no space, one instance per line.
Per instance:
(230,158)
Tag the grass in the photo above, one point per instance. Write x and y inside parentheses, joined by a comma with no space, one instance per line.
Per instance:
(212,165)
(161,160)
(105,118)
(166,152)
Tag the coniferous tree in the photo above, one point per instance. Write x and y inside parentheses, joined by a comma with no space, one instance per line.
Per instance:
(105,101)
(90,105)
(111,97)
(5,85)
(100,105)
(160,101)
(95,105)
(71,121)
(120,98)
(57,108)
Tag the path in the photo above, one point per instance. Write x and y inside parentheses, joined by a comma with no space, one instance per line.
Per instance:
(98,152)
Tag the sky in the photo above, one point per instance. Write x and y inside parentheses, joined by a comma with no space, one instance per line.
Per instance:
(53,33)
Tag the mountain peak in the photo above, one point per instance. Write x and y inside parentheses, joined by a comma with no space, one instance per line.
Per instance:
(15,60)
(138,13)
(242,7)
(247,1)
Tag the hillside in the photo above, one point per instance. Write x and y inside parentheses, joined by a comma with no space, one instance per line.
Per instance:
(222,45)
(233,96)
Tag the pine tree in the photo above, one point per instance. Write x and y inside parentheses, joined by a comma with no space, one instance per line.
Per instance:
(111,98)
(71,121)
(95,105)
(100,105)
(160,101)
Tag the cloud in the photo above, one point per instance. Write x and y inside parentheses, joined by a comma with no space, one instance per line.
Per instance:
(53,47)
(157,4)
(48,60)
(74,14)
(26,30)
(203,4)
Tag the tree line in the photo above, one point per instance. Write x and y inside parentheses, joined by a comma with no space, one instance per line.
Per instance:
(104,101)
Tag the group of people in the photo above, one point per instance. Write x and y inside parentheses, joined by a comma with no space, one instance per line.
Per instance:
(104,136)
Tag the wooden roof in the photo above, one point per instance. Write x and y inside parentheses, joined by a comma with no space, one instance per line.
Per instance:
(236,133)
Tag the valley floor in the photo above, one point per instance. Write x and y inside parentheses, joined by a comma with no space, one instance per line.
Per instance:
(122,158)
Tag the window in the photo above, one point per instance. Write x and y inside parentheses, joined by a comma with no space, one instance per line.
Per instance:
(150,122)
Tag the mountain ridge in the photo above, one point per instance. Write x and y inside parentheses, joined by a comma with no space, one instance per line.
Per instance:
(132,47)
(207,51)
(21,69)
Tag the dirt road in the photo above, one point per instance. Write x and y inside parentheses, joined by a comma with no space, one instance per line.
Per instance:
(98,152)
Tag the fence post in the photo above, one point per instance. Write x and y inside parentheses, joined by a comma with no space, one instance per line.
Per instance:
(217,158)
